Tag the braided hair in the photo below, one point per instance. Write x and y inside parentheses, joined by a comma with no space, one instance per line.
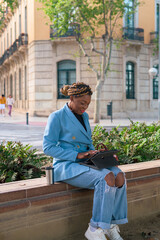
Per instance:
(78,89)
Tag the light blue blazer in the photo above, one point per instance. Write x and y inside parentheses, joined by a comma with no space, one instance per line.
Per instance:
(64,138)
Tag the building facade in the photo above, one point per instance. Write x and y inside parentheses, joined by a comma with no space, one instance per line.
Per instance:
(33,67)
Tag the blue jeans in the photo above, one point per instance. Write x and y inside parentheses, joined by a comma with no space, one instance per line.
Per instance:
(109,203)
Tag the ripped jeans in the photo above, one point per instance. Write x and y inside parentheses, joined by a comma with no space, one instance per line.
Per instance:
(109,203)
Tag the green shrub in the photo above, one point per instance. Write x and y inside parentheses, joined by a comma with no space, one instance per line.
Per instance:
(19,162)
(138,143)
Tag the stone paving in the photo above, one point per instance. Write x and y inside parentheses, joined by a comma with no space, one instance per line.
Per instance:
(15,128)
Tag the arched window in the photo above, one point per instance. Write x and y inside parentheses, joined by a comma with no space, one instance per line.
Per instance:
(25,81)
(130,81)
(66,74)
(4,86)
(15,86)
(155,84)
(11,85)
(20,86)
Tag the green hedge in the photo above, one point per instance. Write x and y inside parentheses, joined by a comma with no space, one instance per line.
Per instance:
(137,143)
(19,162)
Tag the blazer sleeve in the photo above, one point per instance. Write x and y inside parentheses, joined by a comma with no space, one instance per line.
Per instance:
(51,138)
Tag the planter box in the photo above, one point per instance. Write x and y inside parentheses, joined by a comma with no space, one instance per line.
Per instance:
(33,210)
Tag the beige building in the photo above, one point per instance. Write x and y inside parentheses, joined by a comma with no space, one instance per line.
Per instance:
(33,67)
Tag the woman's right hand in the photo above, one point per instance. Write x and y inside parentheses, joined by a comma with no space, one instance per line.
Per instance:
(86,154)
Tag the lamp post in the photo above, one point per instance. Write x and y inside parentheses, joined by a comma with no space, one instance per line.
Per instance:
(153,72)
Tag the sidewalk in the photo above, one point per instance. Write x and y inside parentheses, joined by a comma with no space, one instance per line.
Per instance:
(20,118)
(15,128)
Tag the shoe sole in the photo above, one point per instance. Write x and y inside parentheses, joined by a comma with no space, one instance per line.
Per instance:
(86,235)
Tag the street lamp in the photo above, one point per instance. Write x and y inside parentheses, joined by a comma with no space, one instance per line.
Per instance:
(153,72)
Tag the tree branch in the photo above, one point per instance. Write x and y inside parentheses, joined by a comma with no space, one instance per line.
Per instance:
(93,48)
(85,19)
(89,59)
(117,17)
(109,56)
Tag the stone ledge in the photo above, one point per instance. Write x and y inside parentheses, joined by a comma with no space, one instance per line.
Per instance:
(28,208)
(138,173)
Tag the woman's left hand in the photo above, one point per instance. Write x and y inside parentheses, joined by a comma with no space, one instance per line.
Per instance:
(102,150)
(86,154)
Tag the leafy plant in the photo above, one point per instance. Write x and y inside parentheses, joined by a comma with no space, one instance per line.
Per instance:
(138,143)
(20,162)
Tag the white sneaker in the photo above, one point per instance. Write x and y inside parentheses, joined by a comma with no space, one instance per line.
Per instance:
(97,235)
(113,232)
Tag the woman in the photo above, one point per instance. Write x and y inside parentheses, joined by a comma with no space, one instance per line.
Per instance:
(3,104)
(67,138)
(10,103)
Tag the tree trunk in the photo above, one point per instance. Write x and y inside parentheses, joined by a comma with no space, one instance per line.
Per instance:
(97,101)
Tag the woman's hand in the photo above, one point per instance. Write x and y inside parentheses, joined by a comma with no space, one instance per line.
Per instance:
(86,154)
(102,150)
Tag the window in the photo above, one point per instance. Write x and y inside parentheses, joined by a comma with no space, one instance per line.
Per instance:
(66,74)
(4,45)
(157,17)
(7,40)
(10,36)
(130,91)
(20,86)
(25,81)
(25,27)
(15,30)
(7,89)
(155,84)
(129,15)
(20,24)
(15,89)
(4,87)
(11,85)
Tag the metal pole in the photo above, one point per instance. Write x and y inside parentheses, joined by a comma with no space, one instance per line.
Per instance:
(159,67)
(27,122)
(111,110)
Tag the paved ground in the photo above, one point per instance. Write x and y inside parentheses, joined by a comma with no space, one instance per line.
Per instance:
(15,128)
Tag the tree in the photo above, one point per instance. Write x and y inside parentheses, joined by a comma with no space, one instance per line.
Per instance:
(99,19)
(7,3)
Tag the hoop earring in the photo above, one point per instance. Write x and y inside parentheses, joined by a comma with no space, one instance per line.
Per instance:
(69,105)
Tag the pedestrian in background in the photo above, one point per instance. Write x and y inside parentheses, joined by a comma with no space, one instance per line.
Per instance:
(3,104)
(10,102)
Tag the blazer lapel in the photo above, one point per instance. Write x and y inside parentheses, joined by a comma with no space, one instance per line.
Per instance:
(76,122)
(86,122)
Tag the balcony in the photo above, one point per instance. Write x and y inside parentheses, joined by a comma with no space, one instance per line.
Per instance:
(72,31)
(153,37)
(21,41)
(133,33)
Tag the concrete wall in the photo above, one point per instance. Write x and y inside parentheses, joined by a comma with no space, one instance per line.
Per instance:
(32,210)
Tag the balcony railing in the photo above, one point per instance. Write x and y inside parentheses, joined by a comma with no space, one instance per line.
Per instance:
(153,37)
(72,31)
(22,40)
(133,33)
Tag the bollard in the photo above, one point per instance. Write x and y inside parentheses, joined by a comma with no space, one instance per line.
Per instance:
(27,118)
(109,110)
